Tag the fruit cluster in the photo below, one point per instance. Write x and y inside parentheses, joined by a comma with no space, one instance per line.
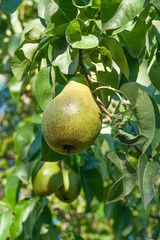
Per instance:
(61,180)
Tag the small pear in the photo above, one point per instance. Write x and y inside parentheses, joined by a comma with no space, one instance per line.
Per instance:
(70,189)
(48,179)
(72,120)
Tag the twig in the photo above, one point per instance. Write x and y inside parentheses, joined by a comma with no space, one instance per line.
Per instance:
(104,120)
(90,85)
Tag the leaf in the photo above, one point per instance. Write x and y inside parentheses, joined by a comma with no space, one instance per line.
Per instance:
(81,3)
(127,10)
(12,190)
(108,9)
(15,89)
(156,24)
(129,139)
(75,35)
(135,39)
(27,141)
(96,4)
(144,110)
(19,64)
(117,53)
(5,223)
(26,215)
(147,172)
(24,169)
(10,6)
(43,88)
(154,72)
(34,35)
(123,186)
(106,78)
(156,3)
(59,12)
(22,59)
(61,55)
(94,182)
(48,155)
(120,119)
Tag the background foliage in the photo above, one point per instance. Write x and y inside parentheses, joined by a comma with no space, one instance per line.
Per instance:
(43,45)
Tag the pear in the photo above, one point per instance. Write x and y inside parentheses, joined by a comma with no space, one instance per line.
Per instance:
(71,187)
(48,179)
(72,120)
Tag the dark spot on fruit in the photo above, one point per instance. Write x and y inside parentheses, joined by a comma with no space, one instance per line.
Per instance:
(67,148)
(65,198)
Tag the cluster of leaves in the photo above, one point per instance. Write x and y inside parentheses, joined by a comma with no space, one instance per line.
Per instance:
(118,43)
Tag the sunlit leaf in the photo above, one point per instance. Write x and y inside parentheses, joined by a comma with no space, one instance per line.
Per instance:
(5,223)
(62,56)
(127,10)
(12,190)
(43,88)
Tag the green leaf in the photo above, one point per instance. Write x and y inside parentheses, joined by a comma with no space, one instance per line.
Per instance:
(120,119)
(96,4)
(127,10)
(117,53)
(10,6)
(24,170)
(19,64)
(42,5)
(61,55)
(129,139)
(108,9)
(154,73)
(48,155)
(34,35)
(12,190)
(106,78)
(156,24)
(94,182)
(43,88)
(22,59)
(75,35)
(147,172)
(5,223)
(144,110)
(59,12)
(135,39)
(26,215)
(123,186)
(27,141)
(156,3)
(81,3)
(15,89)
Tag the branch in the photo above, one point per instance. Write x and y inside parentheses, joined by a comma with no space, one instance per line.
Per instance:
(90,85)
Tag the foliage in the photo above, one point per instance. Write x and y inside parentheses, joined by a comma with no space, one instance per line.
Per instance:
(115,45)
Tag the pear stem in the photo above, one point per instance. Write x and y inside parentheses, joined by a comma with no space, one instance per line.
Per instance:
(81,63)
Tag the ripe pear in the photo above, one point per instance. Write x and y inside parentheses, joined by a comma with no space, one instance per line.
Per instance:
(48,179)
(72,120)
(70,189)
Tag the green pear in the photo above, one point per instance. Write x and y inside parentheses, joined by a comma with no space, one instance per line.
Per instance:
(72,120)
(48,179)
(71,187)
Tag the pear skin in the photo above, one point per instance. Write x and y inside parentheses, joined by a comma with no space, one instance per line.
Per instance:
(71,121)
(71,187)
(48,179)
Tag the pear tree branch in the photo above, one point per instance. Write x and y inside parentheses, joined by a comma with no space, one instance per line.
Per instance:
(81,63)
